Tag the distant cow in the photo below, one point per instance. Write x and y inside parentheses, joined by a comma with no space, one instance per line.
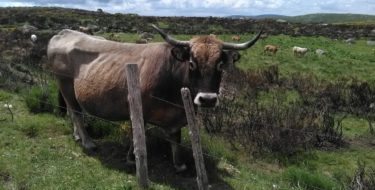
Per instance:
(236,38)
(350,41)
(86,30)
(371,42)
(270,49)
(299,51)
(91,76)
(320,52)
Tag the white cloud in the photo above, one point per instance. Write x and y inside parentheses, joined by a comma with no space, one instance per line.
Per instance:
(208,7)
(224,3)
(15,4)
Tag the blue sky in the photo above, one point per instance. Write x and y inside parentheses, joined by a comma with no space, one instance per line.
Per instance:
(208,7)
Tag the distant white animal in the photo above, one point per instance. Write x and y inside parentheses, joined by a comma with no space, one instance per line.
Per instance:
(350,41)
(33,37)
(299,51)
(370,43)
(320,52)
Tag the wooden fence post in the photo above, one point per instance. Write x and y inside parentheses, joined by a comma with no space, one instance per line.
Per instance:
(202,179)
(136,115)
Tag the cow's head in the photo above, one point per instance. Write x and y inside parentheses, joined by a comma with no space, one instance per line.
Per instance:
(207,56)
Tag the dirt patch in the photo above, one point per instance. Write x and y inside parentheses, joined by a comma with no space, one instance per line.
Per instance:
(113,155)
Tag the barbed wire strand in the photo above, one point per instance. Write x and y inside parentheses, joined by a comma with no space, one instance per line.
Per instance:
(159,99)
(215,157)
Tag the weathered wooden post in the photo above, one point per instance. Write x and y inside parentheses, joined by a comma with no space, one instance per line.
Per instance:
(136,115)
(202,179)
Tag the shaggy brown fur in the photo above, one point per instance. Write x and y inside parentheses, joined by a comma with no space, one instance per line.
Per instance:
(206,50)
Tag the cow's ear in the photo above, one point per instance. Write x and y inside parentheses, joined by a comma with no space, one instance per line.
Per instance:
(235,56)
(180,53)
(230,57)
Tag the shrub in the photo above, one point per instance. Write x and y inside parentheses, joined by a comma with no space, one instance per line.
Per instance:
(308,179)
(268,117)
(41,99)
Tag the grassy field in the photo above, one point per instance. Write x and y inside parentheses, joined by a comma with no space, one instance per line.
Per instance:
(37,151)
(342,60)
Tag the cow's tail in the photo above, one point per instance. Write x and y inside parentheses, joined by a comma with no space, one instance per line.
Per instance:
(62,105)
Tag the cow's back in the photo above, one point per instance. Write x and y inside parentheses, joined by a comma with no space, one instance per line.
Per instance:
(67,43)
(96,69)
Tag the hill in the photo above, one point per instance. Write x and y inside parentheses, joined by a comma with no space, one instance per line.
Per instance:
(54,18)
(334,18)
(331,18)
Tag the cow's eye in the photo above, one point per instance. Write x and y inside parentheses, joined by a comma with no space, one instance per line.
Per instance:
(220,66)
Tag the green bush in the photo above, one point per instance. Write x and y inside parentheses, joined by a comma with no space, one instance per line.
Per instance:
(42,99)
(308,179)
(99,128)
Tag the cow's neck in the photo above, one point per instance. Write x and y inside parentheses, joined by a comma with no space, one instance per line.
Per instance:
(174,78)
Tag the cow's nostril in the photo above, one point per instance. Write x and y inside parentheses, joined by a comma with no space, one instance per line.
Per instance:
(206,99)
(202,100)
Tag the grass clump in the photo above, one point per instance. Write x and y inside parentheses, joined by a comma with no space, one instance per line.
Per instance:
(42,99)
(306,179)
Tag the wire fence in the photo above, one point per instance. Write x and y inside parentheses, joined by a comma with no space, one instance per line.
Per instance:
(244,182)
(179,106)
(208,155)
(174,104)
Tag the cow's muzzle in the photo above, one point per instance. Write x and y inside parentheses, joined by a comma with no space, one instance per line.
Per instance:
(205,99)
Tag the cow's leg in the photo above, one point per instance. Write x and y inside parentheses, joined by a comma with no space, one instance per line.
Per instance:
(79,132)
(75,130)
(176,151)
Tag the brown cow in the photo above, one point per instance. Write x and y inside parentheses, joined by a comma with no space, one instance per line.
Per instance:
(91,76)
(236,38)
(86,30)
(270,49)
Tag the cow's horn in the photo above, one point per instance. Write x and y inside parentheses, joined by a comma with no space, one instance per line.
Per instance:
(169,39)
(242,46)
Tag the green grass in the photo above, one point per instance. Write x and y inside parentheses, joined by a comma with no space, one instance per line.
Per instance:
(37,151)
(308,180)
(341,60)
(362,127)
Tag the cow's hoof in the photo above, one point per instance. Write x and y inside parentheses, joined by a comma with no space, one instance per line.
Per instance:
(76,137)
(180,168)
(89,145)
